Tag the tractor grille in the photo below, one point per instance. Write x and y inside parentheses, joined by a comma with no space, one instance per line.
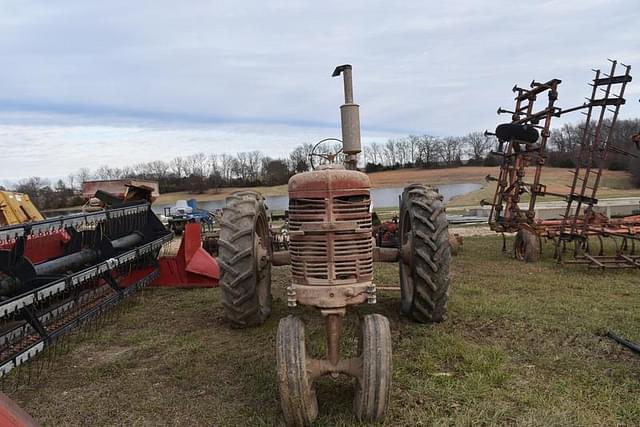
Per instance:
(320,255)
(305,210)
(353,208)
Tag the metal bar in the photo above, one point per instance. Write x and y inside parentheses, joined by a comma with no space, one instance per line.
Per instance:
(333,326)
(38,345)
(38,295)
(631,346)
(60,223)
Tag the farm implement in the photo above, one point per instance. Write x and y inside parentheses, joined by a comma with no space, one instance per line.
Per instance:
(522,143)
(60,273)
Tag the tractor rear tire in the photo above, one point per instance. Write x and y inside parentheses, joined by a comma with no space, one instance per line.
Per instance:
(244,258)
(297,395)
(526,246)
(425,254)
(373,388)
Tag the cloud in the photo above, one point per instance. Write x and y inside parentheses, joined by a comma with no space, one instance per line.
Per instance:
(53,150)
(105,77)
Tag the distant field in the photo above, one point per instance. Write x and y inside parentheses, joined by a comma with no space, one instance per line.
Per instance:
(523,345)
(614,184)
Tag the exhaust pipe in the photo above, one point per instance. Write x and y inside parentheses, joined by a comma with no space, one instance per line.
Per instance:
(350,118)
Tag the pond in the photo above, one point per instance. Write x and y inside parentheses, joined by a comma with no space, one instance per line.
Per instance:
(381,197)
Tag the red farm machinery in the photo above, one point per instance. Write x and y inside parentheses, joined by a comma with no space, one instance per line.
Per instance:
(332,252)
(522,145)
(61,273)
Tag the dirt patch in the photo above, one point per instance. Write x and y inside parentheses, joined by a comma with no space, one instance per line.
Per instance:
(92,354)
(471,230)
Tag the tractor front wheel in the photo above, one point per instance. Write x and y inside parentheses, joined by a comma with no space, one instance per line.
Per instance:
(297,395)
(373,386)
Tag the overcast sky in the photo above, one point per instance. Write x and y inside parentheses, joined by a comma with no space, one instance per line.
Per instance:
(120,82)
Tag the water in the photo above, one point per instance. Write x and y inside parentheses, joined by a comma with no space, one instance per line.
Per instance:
(381,197)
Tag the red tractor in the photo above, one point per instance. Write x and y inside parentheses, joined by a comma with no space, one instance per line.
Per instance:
(332,253)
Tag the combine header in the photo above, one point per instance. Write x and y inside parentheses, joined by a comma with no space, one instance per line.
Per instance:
(522,144)
(57,274)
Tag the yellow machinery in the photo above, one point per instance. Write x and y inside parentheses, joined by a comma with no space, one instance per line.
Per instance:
(17,208)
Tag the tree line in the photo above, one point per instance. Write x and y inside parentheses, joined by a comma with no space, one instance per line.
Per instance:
(201,172)
(623,153)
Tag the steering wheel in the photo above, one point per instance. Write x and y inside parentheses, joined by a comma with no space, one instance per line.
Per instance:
(330,157)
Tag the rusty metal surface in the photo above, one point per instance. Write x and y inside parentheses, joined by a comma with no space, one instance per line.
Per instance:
(331,242)
(119,187)
(280,258)
(350,118)
(579,221)
(506,215)
(602,108)
(386,254)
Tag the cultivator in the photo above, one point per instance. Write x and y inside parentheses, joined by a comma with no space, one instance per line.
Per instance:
(579,220)
(522,144)
(58,274)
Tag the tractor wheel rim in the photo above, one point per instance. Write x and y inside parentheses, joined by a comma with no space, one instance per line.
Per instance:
(519,250)
(261,261)
(406,248)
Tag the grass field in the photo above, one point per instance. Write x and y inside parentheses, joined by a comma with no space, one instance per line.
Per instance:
(614,184)
(522,345)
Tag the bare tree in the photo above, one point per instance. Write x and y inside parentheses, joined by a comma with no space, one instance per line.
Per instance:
(214,166)
(428,147)
(254,163)
(376,152)
(197,165)
(414,143)
(71,180)
(390,154)
(451,150)
(402,148)
(299,158)
(157,169)
(240,167)
(566,139)
(83,174)
(477,145)
(128,172)
(178,167)
(226,166)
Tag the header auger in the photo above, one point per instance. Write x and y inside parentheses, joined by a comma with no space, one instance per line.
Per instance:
(61,273)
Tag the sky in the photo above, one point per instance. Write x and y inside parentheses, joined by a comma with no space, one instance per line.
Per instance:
(84,84)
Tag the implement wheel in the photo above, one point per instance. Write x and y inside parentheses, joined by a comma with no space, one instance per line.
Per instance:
(244,258)
(526,246)
(424,254)
(297,395)
(374,384)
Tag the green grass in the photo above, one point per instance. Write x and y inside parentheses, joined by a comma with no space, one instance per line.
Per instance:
(522,345)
